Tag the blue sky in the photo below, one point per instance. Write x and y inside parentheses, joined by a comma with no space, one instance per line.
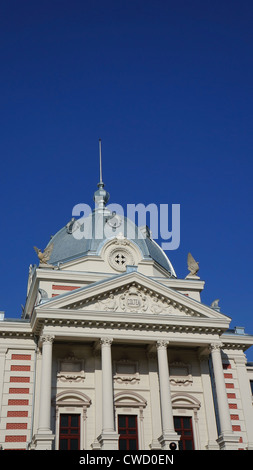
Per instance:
(167,86)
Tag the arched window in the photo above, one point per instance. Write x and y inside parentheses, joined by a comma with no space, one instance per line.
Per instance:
(71,413)
(129,408)
(185,411)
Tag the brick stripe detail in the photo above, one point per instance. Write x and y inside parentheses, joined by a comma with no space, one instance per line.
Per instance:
(231,395)
(19,390)
(17,414)
(236,427)
(20,368)
(234,417)
(16,426)
(15,438)
(18,402)
(20,379)
(233,406)
(65,287)
(229,385)
(21,357)
(228,376)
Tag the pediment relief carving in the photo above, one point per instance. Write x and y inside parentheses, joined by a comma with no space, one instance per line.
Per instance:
(135,299)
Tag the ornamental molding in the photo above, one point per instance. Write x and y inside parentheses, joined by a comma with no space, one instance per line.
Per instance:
(70,369)
(180,373)
(120,252)
(126,372)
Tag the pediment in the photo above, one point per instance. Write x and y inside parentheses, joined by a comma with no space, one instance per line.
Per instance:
(133,293)
(135,299)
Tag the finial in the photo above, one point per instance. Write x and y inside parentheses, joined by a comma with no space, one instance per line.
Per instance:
(101,196)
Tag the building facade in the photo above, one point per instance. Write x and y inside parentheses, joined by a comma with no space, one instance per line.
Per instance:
(114,351)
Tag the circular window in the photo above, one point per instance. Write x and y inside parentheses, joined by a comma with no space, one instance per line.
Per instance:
(119,258)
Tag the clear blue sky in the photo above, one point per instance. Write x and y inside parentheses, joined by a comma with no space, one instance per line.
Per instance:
(167,85)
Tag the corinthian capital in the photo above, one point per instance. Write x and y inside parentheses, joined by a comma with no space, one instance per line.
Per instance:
(162,344)
(47,338)
(215,346)
(106,341)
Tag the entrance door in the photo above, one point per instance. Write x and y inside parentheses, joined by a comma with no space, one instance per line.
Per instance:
(183,426)
(127,429)
(69,432)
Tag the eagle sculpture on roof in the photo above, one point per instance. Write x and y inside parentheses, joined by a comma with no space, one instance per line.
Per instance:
(193,266)
(45,255)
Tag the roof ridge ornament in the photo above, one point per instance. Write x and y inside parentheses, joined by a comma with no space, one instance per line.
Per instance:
(101,196)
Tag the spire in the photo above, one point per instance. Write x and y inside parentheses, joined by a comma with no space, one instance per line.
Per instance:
(101,197)
(100,164)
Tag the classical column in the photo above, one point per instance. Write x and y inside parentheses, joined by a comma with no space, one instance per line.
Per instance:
(108,439)
(154,398)
(227,440)
(44,437)
(208,400)
(168,431)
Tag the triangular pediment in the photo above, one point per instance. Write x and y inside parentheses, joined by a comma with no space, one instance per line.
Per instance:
(133,293)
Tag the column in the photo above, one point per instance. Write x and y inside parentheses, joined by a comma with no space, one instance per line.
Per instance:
(108,439)
(208,402)
(226,440)
(154,399)
(44,437)
(168,431)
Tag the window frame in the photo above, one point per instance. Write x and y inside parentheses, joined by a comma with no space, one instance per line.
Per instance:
(127,436)
(182,430)
(69,435)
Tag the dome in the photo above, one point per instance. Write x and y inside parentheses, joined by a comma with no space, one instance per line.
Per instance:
(87,236)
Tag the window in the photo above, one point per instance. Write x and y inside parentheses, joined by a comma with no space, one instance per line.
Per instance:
(183,426)
(69,432)
(251,386)
(127,429)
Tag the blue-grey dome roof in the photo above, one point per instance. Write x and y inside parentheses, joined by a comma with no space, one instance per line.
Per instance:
(78,239)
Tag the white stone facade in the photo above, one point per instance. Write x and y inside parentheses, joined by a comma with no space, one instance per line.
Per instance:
(98,342)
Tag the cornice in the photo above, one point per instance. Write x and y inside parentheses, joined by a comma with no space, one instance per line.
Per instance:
(130,322)
(17,329)
(236,341)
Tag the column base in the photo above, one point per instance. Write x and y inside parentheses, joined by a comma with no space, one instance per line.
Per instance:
(167,438)
(109,440)
(212,445)
(228,441)
(42,441)
(155,445)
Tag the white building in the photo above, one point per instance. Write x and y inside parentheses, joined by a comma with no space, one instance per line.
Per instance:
(115,352)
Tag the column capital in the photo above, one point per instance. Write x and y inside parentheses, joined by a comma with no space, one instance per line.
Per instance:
(47,338)
(162,344)
(106,341)
(215,346)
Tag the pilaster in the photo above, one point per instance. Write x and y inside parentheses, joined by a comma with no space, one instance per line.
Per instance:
(227,440)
